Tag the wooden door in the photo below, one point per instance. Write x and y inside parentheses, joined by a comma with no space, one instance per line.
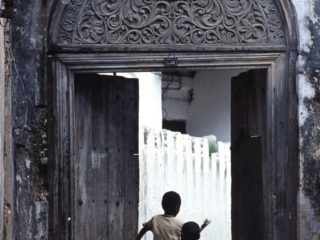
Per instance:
(248,163)
(105,168)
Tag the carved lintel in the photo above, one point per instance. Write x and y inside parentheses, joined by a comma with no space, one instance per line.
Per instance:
(192,22)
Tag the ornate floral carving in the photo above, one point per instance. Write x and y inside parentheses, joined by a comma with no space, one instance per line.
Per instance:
(171,22)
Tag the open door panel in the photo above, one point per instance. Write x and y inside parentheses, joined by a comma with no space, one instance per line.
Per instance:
(248,163)
(105,169)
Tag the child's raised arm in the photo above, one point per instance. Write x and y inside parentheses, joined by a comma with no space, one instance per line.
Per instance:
(142,232)
(205,223)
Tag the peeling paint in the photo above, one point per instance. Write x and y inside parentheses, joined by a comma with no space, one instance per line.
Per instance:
(305,10)
(306,91)
(301,61)
(28,162)
(308,63)
(97,158)
(19,179)
(306,214)
(41,215)
(317,155)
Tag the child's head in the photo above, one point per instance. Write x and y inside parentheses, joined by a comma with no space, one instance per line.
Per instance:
(171,202)
(190,231)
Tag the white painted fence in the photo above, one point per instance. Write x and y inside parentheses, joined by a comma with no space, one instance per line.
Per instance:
(171,161)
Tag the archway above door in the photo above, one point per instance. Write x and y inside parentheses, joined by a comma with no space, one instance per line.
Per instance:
(137,24)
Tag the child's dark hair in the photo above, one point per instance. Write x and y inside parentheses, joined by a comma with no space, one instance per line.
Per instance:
(190,231)
(170,201)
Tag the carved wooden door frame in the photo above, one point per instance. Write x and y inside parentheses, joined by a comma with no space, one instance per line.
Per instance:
(107,36)
(281,125)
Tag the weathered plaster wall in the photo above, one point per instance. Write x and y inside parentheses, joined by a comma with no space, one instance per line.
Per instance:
(2,94)
(308,80)
(29,118)
(7,152)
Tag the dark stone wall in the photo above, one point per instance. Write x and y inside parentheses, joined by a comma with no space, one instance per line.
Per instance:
(29,116)
(310,131)
(309,197)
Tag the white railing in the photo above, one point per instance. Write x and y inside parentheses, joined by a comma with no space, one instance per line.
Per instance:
(174,161)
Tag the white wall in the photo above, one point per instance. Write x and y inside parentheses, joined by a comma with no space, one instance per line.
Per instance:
(150,113)
(175,104)
(209,112)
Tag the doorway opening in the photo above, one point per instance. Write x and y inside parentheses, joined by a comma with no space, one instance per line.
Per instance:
(205,110)
(269,103)
(133,43)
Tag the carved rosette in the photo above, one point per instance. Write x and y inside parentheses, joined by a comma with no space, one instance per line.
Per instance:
(195,22)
